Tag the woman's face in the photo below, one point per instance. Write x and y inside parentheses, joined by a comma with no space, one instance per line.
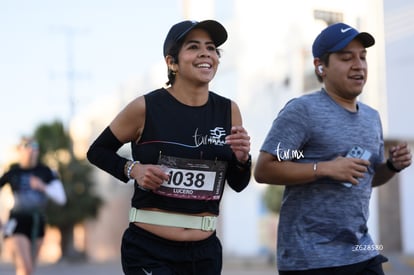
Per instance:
(198,58)
(29,152)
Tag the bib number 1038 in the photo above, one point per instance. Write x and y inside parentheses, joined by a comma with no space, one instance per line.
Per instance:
(188,179)
(194,179)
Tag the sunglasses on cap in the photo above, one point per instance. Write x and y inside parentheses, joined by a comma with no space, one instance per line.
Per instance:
(33,145)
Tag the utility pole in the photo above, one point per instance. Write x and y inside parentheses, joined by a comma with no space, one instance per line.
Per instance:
(71,74)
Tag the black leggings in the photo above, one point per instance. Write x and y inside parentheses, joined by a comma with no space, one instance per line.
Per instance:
(143,252)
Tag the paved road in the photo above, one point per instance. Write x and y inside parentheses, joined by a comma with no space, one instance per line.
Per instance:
(398,265)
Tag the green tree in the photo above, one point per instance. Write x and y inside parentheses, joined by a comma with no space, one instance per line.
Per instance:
(272,197)
(82,202)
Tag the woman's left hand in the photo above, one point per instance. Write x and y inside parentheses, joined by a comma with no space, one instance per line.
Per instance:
(239,141)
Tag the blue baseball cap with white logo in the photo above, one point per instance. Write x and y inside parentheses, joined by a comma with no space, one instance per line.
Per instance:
(336,37)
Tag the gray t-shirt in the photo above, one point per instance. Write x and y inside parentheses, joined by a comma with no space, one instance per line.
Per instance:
(323,222)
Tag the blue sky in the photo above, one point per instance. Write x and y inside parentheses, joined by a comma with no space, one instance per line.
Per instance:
(110,41)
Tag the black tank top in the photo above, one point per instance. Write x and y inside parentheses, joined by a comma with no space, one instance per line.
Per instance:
(176,130)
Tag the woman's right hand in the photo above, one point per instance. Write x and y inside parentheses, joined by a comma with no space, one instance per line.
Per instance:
(149,176)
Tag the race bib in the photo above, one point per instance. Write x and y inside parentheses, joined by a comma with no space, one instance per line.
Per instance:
(192,178)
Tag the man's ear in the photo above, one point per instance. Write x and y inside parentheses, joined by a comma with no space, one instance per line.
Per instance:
(318,66)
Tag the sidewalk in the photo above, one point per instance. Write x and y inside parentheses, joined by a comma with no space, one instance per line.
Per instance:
(398,265)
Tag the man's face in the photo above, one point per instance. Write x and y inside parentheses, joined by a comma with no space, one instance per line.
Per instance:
(347,72)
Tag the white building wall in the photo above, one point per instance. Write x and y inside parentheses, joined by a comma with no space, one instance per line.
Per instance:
(407,206)
(399,45)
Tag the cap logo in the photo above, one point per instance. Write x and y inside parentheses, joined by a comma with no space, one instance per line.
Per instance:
(345,30)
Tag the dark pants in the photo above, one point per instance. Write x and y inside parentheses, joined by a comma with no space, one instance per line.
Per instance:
(143,252)
(370,267)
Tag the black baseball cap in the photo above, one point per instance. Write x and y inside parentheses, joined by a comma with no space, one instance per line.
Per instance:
(336,37)
(178,31)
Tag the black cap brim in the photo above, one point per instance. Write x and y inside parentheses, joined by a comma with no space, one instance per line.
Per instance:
(217,32)
(366,39)
(178,32)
